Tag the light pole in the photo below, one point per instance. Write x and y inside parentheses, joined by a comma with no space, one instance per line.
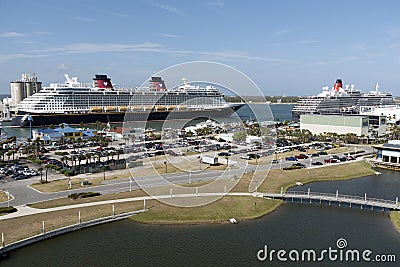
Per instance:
(190,176)
(8,198)
(130,184)
(30,125)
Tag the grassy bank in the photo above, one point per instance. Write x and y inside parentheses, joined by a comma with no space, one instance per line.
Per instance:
(240,208)
(278,178)
(395,218)
(23,227)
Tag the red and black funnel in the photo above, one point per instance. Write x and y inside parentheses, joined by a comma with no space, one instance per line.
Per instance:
(338,84)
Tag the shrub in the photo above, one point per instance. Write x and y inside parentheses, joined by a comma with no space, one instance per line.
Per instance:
(292,168)
(83,195)
(7,209)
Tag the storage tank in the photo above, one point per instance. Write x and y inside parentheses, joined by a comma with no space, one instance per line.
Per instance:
(26,86)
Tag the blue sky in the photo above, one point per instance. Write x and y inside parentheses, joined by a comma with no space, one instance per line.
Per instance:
(286,47)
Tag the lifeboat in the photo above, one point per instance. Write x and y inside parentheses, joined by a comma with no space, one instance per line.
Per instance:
(111,108)
(96,109)
(123,108)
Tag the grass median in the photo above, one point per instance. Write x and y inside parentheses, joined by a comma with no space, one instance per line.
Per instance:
(220,211)
(395,218)
(97,179)
(278,178)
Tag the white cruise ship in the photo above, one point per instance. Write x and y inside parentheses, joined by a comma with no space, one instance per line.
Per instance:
(340,100)
(73,102)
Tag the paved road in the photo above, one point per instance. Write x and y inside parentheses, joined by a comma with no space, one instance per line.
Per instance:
(22,194)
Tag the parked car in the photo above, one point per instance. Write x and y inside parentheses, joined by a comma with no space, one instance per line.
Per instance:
(331,161)
(302,156)
(298,164)
(322,153)
(291,159)
(317,163)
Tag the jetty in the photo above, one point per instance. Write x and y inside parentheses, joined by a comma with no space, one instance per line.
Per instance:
(339,199)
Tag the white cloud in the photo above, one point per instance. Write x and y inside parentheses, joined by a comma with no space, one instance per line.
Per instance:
(335,61)
(281,32)
(154,48)
(62,66)
(11,34)
(170,9)
(304,42)
(83,19)
(169,35)
(8,57)
(218,3)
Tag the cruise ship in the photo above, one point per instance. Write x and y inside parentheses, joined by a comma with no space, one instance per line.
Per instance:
(339,101)
(73,102)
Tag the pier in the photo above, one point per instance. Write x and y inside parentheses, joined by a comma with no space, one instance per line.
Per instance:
(339,199)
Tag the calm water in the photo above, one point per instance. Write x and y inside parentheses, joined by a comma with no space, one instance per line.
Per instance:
(292,226)
(279,111)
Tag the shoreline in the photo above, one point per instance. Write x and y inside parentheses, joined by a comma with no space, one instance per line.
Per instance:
(140,218)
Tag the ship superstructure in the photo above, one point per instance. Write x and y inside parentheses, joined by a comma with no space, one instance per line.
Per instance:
(339,100)
(75,102)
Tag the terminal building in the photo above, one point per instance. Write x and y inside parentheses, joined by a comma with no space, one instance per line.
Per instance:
(388,155)
(340,124)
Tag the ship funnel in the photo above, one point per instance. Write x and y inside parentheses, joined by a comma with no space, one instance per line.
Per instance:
(102,81)
(337,85)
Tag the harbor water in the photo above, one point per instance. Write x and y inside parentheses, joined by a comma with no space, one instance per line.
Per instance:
(292,226)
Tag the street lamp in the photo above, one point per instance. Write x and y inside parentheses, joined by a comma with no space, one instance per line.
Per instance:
(30,125)
(8,198)
(190,176)
(130,183)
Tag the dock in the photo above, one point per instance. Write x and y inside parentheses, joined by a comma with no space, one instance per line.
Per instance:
(362,201)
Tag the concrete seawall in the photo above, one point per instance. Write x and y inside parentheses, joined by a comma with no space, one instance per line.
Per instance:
(9,247)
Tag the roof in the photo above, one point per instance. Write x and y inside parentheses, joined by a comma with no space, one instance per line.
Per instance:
(388,147)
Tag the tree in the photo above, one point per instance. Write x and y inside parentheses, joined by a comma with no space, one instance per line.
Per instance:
(9,153)
(104,168)
(41,174)
(239,136)
(47,169)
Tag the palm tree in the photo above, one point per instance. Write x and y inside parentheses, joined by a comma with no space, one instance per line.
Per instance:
(41,173)
(62,129)
(47,169)
(104,168)
(9,153)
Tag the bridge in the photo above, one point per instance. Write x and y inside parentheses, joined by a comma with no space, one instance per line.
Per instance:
(337,198)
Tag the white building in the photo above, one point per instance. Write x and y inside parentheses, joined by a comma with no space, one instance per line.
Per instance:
(318,124)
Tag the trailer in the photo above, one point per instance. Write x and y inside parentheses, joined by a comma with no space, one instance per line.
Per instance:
(209,160)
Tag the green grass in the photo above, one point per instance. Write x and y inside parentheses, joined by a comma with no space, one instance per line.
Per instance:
(220,211)
(3,196)
(395,218)
(276,178)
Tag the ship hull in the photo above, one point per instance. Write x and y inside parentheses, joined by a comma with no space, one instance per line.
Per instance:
(38,120)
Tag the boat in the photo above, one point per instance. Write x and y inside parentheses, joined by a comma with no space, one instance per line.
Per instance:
(299,183)
(340,101)
(73,102)
(233,220)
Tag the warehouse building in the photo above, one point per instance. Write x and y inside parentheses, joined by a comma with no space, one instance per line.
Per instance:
(359,125)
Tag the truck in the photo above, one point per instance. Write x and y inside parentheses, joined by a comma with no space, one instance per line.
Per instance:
(209,160)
